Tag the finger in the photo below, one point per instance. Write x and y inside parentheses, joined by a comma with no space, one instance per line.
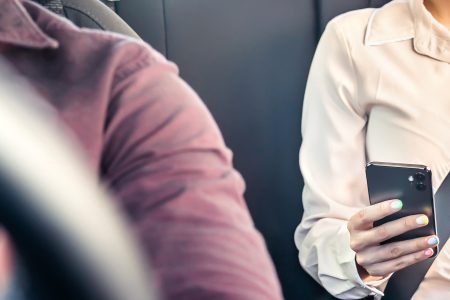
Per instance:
(377,254)
(366,216)
(391,229)
(388,267)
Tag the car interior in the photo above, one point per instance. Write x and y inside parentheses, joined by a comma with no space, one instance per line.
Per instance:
(249,61)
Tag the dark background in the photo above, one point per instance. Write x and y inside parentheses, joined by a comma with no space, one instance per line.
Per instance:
(249,60)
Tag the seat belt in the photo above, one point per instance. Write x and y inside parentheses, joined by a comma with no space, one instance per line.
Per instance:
(404,283)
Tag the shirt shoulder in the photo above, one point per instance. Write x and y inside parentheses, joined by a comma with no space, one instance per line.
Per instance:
(351,26)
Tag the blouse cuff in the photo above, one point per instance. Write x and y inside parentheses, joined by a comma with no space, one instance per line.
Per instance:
(347,259)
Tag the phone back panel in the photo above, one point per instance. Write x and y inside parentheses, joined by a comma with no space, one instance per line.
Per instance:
(409,183)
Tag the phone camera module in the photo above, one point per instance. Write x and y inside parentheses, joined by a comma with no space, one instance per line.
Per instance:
(419,176)
(421,186)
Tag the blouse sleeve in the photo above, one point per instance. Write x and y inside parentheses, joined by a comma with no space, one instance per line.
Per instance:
(332,161)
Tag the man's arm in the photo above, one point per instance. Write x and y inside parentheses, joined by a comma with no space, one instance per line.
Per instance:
(165,159)
(5,261)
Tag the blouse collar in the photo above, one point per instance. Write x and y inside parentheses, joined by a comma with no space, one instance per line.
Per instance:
(402,20)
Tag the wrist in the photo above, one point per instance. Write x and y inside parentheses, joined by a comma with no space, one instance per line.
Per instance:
(365,276)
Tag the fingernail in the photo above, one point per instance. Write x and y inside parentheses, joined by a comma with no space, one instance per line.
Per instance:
(396,204)
(433,241)
(429,252)
(422,220)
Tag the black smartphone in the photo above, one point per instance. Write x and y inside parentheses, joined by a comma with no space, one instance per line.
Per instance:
(409,183)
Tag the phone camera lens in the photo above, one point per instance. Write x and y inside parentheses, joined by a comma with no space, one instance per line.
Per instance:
(421,186)
(419,176)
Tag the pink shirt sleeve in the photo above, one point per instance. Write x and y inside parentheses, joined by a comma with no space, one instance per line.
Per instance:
(166,160)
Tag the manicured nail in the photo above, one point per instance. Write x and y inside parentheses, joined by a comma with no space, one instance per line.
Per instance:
(422,220)
(433,241)
(396,204)
(429,252)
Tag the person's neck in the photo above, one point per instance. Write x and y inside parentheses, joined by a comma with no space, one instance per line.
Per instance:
(440,9)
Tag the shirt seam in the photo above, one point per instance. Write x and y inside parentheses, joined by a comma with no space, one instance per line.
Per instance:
(131,67)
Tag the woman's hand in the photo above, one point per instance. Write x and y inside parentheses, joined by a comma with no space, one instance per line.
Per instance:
(375,260)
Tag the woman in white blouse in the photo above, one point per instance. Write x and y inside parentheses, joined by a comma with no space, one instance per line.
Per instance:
(378,90)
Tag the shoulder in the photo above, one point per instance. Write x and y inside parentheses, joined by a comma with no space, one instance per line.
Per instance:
(355,19)
(125,53)
(349,26)
(373,25)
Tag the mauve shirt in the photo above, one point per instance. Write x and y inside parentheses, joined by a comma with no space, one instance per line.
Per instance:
(152,140)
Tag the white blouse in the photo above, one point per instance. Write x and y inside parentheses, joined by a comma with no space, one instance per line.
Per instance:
(378,90)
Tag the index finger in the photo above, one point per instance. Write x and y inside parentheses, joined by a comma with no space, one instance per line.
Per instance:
(365,217)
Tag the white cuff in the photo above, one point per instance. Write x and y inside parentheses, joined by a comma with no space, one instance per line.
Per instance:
(375,286)
(347,259)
